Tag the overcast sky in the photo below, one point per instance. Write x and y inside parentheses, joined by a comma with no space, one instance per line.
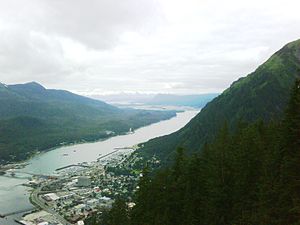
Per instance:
(147,46)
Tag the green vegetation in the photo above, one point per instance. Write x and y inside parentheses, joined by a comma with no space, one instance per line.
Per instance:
(263,95)
(118,215)
(247,177)
(33,118)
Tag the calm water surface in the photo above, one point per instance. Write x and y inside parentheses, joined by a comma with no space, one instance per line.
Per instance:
(14,197)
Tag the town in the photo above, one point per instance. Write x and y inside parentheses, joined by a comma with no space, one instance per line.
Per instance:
(77,191)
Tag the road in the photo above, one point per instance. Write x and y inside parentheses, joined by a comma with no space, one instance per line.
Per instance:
(36,200)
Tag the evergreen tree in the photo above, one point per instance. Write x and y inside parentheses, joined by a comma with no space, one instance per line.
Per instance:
(249,177)
(141,212)
(119,214)
(290,174)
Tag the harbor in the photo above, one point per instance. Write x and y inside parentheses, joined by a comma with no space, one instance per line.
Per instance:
(47,163)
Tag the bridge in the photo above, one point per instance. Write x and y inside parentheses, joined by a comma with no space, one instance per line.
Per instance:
(17,212)
(14,172)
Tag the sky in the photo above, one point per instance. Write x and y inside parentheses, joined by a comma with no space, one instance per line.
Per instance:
(95,47)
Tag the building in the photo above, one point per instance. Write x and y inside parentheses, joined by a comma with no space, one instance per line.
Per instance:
(67,196)
(79,209)
(50,197)
(92,202)
(43,223)
(105,202)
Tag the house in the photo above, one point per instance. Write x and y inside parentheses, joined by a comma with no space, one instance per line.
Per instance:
(92,202)
(79,208)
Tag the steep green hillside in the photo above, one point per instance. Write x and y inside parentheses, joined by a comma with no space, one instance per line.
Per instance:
(247,177)
(35,118)
(32,99)
(263,94)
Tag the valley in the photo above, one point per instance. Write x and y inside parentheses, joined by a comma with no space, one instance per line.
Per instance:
(46,163)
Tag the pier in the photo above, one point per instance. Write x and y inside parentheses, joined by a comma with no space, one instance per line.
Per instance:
(108,154)
(72,165)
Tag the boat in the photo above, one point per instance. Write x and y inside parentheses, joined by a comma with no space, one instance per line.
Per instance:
(131,131)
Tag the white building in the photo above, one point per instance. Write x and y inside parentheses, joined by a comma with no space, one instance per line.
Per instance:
(43,223)
(50,197)
(67,196)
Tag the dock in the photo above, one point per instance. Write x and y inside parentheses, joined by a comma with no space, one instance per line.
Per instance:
(108,154)
(19,222)
(72,165)
(120,148)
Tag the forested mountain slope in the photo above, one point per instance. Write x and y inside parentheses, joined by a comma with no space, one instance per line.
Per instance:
(35,118)
(262,94)
(249,176)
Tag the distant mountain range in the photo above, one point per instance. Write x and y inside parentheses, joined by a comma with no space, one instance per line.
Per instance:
(34,100)
(262,94)
(33,118)
(197,100)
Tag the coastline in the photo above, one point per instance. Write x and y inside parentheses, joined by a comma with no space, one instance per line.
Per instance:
(19,164)
(139,136)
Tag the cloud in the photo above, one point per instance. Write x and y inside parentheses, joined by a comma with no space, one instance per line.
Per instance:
(35,34)
(95,23)
(173,46)
(29,56)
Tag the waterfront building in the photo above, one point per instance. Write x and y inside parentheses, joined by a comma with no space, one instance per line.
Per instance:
(50,197)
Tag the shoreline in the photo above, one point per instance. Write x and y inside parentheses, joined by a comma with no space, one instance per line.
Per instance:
(42,206)
(16,164)
(183,118)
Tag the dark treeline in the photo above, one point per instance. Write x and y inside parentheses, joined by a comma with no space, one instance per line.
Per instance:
(250,176)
